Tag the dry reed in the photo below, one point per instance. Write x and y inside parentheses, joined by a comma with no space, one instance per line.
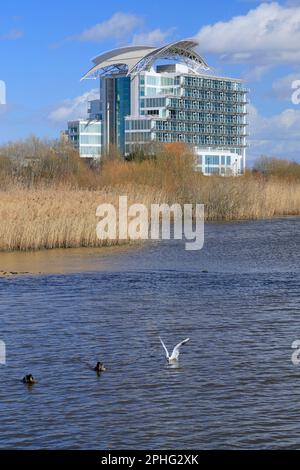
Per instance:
(52,203)
(58,218)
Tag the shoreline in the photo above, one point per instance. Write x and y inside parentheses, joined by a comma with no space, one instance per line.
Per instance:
(58,260)
(18,263)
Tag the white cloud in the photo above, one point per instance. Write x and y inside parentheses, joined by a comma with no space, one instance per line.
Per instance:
(278,135)
(12,35)
(255,74)
(74,108)
(268,34)
(118,26)
(155,37)
(282,87)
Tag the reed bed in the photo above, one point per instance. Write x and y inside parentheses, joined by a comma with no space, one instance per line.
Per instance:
(58,218)
(66,218)
(52,203)
(231,198)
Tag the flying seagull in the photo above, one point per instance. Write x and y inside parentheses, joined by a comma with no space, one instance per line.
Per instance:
(173,359)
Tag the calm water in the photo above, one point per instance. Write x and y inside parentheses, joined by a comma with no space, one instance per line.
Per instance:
(236,386)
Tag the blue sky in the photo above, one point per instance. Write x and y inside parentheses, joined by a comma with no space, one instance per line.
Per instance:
(46,47)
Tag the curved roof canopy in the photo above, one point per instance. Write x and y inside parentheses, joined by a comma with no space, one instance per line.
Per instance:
(134,59)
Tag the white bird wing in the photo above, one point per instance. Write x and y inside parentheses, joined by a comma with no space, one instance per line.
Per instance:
(165,348)
(176,350)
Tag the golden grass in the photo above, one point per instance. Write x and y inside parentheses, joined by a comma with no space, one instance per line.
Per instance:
(249,198)
(38,211)
(252,196)
(57,218)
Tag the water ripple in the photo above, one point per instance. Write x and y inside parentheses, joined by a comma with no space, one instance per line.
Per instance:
(236,386)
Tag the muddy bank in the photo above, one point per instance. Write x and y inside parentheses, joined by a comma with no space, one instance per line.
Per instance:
(61,261)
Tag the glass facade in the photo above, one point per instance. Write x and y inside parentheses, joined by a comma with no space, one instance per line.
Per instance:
(86,136)
(219,162)
(169,104)
(207,112)
(122,109)
(156,84)
(88,127)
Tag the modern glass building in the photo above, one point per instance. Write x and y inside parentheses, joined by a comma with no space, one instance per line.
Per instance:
(86,134)
(168,94)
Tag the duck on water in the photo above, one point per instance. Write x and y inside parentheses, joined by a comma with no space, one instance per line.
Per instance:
(29,379)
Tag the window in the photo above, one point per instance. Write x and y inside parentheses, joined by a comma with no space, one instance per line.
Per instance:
(152,80)
(90,139)
(90,150)
(90,128)
(153,112)
(212,160)
(151,91)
